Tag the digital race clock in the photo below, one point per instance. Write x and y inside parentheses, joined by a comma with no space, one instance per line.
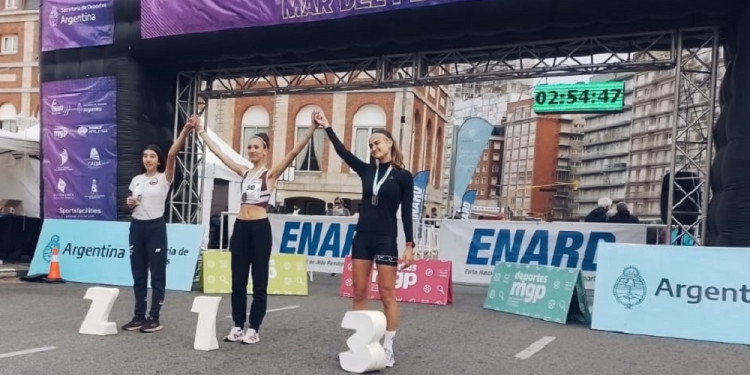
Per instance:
(592,97)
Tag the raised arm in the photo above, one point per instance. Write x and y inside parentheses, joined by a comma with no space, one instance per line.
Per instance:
(350,159)
(175,150)
(278,169)
(236,167)
(407,197)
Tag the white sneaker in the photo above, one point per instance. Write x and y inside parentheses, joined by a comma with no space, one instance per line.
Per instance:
(251,337)
(390,358)
(234,335)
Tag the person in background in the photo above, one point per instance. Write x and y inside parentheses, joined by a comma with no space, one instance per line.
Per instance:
(599,214)
(623,215)
(386,185)
(148,231)
(339,209)
(329,209)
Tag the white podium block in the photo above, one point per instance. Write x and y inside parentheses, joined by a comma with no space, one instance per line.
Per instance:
(205,330)
(96,322)
(365,352)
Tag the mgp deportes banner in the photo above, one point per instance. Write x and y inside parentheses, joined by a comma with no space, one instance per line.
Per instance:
(76,23)
(475,246)
(80,149)
(175,17)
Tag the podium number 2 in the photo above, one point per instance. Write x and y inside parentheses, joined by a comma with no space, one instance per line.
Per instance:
(95,322)
(365,352)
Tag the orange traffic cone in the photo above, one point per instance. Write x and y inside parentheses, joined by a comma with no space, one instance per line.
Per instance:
(54,269)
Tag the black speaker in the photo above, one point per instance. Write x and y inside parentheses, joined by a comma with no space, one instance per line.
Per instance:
(688,211)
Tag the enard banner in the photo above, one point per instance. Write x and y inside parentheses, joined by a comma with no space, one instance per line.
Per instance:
(476,246)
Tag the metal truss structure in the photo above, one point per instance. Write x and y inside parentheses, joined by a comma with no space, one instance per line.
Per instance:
(671,49)
(696,76)
(538,59)
(186,199)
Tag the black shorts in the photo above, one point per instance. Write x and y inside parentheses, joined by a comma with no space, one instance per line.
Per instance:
(382,249)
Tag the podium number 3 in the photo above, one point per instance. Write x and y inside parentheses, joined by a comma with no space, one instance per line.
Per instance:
(365,352)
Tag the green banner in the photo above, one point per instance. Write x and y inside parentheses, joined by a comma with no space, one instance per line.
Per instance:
(548,293)
(287,274)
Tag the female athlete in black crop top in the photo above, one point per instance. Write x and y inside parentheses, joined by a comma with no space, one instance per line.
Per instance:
(385,186)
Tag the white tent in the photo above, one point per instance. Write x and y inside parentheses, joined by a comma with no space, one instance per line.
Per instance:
(215,169)
(19,165)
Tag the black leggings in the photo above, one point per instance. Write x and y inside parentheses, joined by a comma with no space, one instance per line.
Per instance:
(250,245)
(148,252)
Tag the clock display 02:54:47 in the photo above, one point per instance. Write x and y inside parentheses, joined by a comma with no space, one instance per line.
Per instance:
(578,96)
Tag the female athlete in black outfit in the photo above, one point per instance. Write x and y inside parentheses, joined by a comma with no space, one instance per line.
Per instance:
(385,186)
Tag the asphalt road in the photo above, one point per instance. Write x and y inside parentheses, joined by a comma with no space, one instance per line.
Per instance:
(462,338)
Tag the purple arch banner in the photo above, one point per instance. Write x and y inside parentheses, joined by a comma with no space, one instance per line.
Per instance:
(76,23)
(175,17)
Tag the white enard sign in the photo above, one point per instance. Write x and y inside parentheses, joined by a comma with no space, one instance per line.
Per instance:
(326,240)
(474,247)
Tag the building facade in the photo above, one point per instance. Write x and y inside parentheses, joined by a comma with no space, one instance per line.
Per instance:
(488,100)
(486,178)
(606,147)
(318,175)
(542,153)
(19,63)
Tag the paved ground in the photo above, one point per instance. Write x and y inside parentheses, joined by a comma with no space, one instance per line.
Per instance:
(462,338)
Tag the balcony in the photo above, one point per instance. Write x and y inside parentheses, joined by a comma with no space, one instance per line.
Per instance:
(616,167)
(609,139)
(602,155)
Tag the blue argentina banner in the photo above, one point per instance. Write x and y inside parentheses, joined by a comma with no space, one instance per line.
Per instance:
(696,293)
(98,252)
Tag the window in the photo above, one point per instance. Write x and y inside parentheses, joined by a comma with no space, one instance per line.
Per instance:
(11,4)
(484,168)
(482,192)
(484,181)
(312,155)
(10,44)
(8,117)
(368,118)
(255,120)
(484,156)
(496,168)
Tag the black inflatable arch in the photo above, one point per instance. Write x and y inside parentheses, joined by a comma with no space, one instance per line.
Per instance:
(146,70)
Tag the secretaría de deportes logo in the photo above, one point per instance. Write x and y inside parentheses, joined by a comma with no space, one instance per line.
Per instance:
(630,288)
